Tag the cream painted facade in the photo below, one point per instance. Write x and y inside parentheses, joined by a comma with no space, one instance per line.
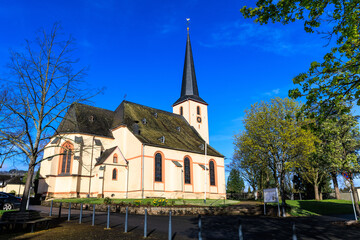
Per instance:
(197,119)
(135,171)
(18,188)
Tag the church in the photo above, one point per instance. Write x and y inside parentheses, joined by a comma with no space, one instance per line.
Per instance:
(136,151)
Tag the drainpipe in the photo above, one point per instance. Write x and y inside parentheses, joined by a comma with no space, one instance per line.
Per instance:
(205,182)
(142,171)
(91,163)
(127,179)
(102,194)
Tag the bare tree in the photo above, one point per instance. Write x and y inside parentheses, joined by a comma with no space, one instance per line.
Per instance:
(43,84)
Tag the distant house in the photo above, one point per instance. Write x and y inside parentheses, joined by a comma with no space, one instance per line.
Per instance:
(136,151)
(11,183)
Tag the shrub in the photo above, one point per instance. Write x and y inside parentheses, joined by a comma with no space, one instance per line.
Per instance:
(160,202)
(107,201)
(137,203)
(13,192)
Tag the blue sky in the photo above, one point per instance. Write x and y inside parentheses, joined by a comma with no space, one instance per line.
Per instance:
(137,48)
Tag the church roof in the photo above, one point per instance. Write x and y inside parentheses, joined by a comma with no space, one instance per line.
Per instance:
(105,155)
(151,126)
(189,88)
(82,118)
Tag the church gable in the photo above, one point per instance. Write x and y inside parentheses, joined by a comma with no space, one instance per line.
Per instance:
(111,156)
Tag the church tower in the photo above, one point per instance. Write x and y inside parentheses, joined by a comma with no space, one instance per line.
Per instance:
(190,105)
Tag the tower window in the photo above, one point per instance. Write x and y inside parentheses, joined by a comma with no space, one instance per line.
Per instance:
(198,110)
(181,111)
(115,158)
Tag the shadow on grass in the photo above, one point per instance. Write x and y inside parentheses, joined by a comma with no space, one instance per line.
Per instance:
(325,207)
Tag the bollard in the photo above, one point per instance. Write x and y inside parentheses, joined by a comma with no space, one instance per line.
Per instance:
(126,219)
(69,213)
(51,207)
(200,227)
(294,233)
(108,218)
(170,232)
(241,237)
(60,209)
(81,209)
(145,224)
(93,216)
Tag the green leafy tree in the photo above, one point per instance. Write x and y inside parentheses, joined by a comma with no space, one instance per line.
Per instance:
(336,78)
(274,137)
(252,167)
(235,183)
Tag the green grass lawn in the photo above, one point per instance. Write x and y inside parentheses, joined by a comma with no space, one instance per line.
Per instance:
(2,211)
(197,202)
(324,207)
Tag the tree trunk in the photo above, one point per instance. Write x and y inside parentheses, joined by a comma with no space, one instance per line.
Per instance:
(283,198)
(355,195)
(28,183)
(316,191)
(336,185)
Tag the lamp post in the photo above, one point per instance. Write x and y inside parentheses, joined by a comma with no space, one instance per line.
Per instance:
(279,167)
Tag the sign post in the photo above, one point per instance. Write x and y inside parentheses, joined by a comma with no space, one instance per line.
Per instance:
(271,196)
(346,176)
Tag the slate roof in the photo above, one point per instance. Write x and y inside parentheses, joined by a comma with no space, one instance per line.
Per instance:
(189,88)
(82,118)
(158,124)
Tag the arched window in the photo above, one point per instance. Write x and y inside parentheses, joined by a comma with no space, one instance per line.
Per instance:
(198,110)
(65,159)
(158,167)
(115,158)
(212,173)
(187,171)
(181,111)
(114,174)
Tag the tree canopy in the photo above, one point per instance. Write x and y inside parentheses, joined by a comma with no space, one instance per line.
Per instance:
(273,137)
(44,82)
(235,183)
(336,78)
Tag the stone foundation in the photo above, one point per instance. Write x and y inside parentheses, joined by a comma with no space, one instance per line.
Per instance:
(249,210)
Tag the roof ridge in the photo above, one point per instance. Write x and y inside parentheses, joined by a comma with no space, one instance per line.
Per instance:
(87,105)
(164,111)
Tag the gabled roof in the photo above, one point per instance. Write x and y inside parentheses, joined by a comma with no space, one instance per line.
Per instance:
(151,126)
(160,125)
(189,88)
(105,155)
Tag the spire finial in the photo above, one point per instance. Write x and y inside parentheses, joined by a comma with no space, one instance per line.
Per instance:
(187,23)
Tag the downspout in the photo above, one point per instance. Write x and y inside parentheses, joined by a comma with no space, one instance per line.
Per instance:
(91,163)
(142,171)
(127,179)
(102,194)
(205,182)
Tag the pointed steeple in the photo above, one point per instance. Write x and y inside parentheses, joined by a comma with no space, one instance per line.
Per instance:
(189,88)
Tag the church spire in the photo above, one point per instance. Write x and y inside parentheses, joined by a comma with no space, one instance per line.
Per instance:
(189,88)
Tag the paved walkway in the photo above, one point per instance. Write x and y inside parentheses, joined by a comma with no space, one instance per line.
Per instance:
(224,227)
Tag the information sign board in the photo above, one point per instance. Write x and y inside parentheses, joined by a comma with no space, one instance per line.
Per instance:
(271,195)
